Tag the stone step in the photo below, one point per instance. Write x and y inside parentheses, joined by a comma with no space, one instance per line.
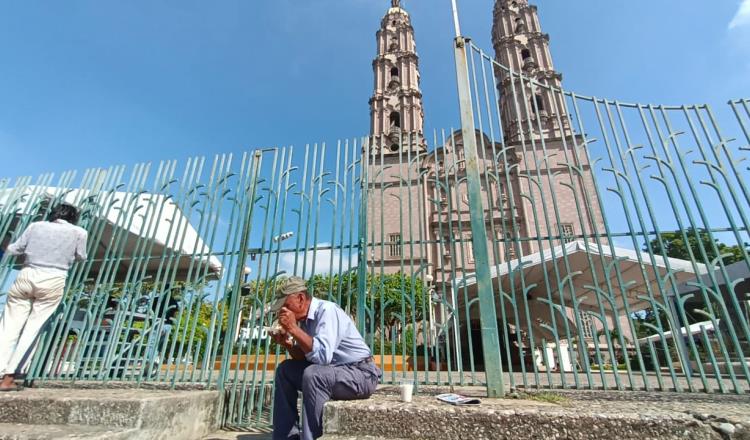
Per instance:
(229,435)
(724,367)
(512,419)
(181,414)
(356,437)
(17,431)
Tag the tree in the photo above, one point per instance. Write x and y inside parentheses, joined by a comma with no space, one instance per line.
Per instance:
(675,246)
(393,302)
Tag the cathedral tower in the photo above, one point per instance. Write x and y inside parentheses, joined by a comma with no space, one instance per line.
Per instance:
(521,45)
(535,124)
(396,113)
(395,218)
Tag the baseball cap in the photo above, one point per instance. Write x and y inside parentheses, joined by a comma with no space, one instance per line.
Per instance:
(289,286)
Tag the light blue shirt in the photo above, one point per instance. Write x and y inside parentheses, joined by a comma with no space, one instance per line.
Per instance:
(336,340)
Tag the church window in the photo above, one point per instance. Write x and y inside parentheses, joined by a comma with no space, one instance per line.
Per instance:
(395,119)
(537,104)
(470,249)
(394,72)
(586,324)
(510,251)
(394,148)
(443,198)
(394,245)
(393,46)
(525,54)
(461,162)
(566,232)
(502,197)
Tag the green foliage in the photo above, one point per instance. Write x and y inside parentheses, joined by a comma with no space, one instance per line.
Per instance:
(393,303)
(195,320)
(390,298)
(649,317)
(675,246)
(183,305)
(394,345)
(395,298)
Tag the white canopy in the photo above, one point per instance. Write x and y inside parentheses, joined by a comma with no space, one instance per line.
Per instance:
(576,271)
(140,230)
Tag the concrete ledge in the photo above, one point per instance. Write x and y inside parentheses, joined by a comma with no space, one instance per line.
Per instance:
(573,415)
(121,385)
(155,414)
(45,432)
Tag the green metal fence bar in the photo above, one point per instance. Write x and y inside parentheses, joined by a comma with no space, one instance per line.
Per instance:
(490,339)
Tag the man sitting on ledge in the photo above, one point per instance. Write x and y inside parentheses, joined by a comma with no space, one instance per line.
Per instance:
(330,360)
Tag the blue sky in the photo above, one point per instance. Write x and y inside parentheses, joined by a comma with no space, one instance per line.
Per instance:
(96,83)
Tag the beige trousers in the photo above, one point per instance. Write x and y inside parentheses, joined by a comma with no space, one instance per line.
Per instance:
(32,299)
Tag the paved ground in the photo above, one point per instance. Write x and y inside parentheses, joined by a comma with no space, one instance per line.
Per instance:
(235,435)
(596,380)
(713,415)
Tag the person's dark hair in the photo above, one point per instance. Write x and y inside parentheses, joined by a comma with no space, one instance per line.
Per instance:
(66,212)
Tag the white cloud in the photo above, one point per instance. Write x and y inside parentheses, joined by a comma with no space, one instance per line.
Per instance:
(323,263)
(742,18)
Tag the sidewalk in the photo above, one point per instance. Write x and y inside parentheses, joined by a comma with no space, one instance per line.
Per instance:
(534,415)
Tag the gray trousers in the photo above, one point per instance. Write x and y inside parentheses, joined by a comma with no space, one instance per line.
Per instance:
(319,384)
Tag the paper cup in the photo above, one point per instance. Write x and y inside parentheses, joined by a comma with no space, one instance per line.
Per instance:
(407,390)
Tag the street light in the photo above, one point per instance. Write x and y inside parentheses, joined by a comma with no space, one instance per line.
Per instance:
(282,237)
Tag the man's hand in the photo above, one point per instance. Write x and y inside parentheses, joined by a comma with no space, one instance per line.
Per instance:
(287,320)
(282,338)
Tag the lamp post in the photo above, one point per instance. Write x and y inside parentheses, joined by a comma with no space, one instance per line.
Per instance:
(432,298)
(456,23)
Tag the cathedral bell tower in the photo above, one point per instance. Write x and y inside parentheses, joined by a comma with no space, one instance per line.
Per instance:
(521,45)
(396,112)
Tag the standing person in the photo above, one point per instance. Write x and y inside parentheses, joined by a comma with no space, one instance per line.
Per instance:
(330,360)
(50,248)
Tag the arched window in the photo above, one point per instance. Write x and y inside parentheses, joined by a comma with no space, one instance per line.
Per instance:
(395,119)
(393,45)
(520,25)
(394,72)
(537,104)
(525,54)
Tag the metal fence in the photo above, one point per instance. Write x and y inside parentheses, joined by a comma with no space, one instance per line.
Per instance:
(555,241)
(628,228)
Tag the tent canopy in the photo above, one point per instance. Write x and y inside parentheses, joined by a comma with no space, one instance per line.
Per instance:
(143,231)
(599,278)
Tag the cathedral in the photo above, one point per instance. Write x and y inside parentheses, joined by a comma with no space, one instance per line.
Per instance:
(417,200)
